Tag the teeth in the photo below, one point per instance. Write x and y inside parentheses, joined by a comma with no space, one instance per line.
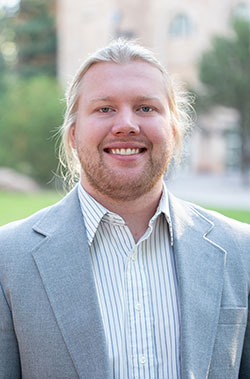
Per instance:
(125,151)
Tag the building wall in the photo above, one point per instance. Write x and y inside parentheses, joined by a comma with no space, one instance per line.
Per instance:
(82,28)
(85,26)
(177,30)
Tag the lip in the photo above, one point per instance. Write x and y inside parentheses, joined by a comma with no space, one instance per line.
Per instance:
(125,159)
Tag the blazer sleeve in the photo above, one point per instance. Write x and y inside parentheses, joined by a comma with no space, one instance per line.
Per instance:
(9,355)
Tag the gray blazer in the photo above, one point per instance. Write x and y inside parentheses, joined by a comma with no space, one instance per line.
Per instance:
(50,323)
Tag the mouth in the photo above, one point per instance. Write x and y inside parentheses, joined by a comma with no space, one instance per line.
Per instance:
(128,151)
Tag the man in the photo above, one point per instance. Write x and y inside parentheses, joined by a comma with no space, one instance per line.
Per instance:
(121,279)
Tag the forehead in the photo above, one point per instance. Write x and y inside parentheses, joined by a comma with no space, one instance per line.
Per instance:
(132,76)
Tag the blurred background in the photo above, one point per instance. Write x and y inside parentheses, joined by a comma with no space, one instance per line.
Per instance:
(204,45)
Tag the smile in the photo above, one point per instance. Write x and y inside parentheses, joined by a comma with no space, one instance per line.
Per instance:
(123,151)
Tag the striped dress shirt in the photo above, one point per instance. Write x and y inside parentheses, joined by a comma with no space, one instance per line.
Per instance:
(137,291)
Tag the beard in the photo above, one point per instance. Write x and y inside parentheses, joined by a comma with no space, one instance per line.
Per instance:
(121,186)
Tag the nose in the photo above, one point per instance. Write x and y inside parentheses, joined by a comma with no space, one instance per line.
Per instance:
(125,124)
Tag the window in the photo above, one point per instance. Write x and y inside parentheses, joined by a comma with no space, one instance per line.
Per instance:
(181,26)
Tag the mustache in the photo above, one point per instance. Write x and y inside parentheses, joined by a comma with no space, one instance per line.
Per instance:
(140,141)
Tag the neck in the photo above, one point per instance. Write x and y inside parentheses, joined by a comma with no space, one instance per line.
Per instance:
(136,213)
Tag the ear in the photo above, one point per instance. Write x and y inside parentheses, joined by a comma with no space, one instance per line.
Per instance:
(72,136)
(174,130)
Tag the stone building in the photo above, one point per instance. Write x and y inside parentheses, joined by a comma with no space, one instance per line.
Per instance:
(178,31)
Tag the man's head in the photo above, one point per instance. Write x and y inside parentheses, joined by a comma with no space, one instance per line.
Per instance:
(116,60)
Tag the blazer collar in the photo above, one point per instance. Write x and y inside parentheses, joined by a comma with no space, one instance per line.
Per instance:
(200,263)
(64,264)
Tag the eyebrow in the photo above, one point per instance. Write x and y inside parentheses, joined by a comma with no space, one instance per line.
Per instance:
(105,98)
(138,98)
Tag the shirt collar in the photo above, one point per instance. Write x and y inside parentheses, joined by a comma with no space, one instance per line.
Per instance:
(163,208)
(93,213)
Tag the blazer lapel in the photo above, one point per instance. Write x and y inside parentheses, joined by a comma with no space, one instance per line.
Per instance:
(200,267)
(65,268)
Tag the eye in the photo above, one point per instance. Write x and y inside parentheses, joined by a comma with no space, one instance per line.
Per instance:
(146,109)
(105,109)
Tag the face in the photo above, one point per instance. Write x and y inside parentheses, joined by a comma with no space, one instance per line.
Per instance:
(122,134)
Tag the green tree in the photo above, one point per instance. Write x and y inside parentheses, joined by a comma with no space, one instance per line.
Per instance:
(35,37)
(2,80)
(6,38)
(225,70)
(30,107)
(30,114)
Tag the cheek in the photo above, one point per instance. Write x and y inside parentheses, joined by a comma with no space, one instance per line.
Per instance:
(88,135)
(160,133)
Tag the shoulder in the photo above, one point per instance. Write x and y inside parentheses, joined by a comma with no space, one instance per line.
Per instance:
(18,237)
(17,242)
(21,226)
(212,216)
(232,235)
(22,233)
(223,228)
(47,229)
(226,223)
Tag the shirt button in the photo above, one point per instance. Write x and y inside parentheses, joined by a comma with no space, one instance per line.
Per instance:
(138,307)
(133,257)
(142,360)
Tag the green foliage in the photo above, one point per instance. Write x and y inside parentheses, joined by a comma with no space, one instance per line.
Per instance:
(35,37)
(225,70)
(32,31)
(2,79)
(30,106)
(30,113)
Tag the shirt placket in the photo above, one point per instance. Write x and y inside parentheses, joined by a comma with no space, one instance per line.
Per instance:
(140,344)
